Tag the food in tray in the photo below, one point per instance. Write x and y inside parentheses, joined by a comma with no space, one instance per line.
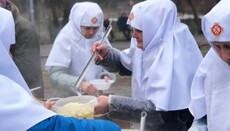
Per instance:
(76,106)
(78,110)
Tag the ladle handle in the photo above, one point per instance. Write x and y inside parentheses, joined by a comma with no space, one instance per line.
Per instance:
(143,117)
(81,76)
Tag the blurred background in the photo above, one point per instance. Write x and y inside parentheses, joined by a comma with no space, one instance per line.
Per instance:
(49,16)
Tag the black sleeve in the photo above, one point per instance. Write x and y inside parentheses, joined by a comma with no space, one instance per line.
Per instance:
(129,109)
(112,63)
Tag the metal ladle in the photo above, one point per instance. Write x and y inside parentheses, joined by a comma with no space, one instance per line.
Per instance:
(80,78)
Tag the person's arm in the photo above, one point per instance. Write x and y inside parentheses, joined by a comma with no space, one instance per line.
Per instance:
(61,79)
(126,108)
(112,63)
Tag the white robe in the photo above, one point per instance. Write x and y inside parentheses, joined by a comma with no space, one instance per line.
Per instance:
(163,70)
(71,49)
(210,92)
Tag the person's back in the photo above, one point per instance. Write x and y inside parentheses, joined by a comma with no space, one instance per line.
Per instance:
(106,24)
(123,26)
(26,51)
(121,21)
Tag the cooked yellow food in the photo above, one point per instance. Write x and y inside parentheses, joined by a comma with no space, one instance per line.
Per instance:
(77,109)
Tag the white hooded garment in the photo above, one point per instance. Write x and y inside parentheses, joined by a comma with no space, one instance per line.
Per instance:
(211,84)
(19,110)
(163,71)
(7,33)
(71,49)
(7,37)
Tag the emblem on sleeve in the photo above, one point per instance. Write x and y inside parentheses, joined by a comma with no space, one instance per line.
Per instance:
(94,20)
(216,29)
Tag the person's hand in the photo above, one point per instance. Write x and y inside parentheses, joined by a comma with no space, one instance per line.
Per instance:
(101,50)
(49,104)
(106,78)
(102,105)
(89,89)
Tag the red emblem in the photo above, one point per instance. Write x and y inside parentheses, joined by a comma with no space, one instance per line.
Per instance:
(216,29)
(94,20)
(131,16)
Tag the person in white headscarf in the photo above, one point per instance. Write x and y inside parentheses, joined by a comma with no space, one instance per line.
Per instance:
(163,58)
(211,84)
(71,51)
(20,111)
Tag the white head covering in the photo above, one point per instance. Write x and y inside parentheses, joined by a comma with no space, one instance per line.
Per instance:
(19,111)
(214,23)
(211,84)
(71,49)
(7,33)
(163,70)
(7,37)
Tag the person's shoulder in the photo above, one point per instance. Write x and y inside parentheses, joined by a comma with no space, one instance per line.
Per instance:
(23,24)
(22,21)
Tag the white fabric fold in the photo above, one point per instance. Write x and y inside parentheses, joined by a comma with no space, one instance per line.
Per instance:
(19,110)
(210,92)
(7,33)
